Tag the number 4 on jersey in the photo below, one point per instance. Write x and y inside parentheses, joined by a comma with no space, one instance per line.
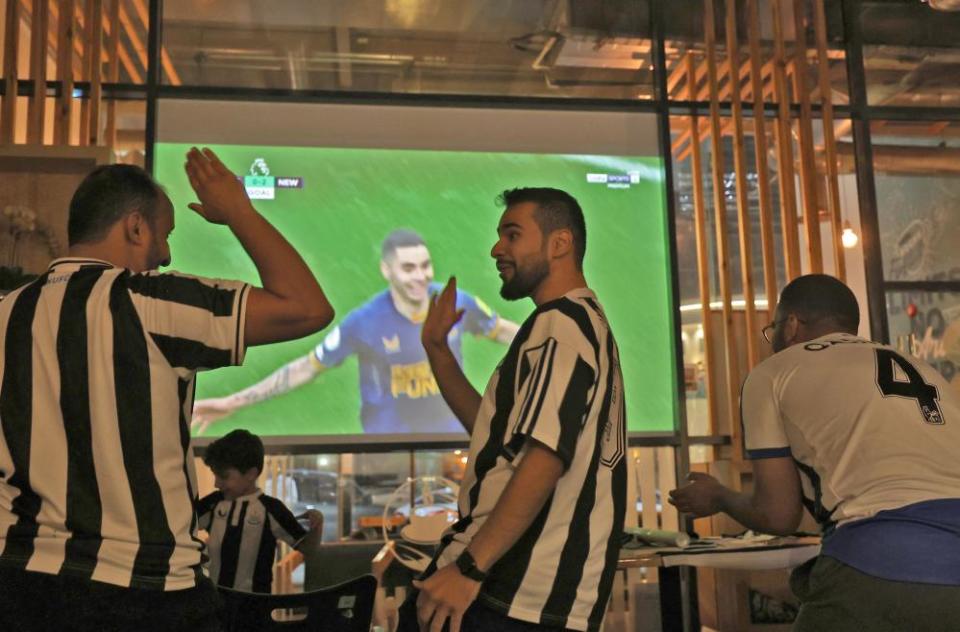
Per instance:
(915,387)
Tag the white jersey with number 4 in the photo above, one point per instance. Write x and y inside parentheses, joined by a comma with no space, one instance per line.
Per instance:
(869,427)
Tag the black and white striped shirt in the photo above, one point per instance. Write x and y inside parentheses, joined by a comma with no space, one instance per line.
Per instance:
(243,538)
(97,371)
(560,384)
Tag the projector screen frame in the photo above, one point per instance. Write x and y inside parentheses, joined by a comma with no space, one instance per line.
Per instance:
(501,111)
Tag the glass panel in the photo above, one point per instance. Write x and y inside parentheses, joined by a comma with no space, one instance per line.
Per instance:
(927,325)
(355,491)
(369,481)
(685,35)
(694,372)
(449,464)
(130,62)
(528,48)
(916,65)
(311,482)
(685,209)
(918,194)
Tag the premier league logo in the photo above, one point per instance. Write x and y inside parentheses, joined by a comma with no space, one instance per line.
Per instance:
(260,185)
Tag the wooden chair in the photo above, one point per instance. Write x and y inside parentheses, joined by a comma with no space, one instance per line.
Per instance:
(347,607)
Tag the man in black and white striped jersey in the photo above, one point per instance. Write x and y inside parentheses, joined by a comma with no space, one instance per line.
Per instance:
(543,500)
(97,365)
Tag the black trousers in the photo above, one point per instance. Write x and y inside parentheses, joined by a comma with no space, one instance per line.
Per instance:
(477,618)
(38,602)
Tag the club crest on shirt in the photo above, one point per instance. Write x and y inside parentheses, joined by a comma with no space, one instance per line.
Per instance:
(254,518)
(391,345)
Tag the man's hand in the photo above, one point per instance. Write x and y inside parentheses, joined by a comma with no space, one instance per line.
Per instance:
(445,595)
(209,411)
(442,316)
(702,496)
(222,196)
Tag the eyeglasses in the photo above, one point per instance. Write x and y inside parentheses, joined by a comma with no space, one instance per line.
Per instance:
(768,330)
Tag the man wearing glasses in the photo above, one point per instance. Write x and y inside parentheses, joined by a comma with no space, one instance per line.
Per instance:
(868,441)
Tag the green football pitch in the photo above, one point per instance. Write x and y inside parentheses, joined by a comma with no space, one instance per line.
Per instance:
(349,199)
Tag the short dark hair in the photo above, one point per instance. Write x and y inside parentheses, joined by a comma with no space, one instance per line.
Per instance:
(239,449)
(106,195)
(400,238)
(817,297)
(556,209)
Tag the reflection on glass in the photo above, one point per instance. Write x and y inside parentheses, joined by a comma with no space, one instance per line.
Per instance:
(357,493)
(919,226)
(368,487)
(529,48)
(911,66)
(927,326)
(310,482)
(685,36)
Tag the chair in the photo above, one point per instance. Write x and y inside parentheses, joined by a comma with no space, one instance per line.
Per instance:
(347,607)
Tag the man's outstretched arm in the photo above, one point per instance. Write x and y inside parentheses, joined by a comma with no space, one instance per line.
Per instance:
(460,395)
(294,374)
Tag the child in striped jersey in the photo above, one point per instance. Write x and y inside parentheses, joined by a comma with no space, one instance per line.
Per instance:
(244,523)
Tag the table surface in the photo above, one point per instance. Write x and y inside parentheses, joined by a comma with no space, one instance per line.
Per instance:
(654,556)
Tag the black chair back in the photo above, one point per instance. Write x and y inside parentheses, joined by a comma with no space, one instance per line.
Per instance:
(346,607)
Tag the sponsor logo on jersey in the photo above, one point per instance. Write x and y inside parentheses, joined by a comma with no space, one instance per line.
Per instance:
(413,380)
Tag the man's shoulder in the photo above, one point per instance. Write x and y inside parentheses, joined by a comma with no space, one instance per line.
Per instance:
(812,356)
(378,305)
(569,318)
(180,289)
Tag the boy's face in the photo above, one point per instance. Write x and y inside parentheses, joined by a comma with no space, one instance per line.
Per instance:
(234,483)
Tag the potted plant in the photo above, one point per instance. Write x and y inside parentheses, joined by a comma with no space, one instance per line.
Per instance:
(22,224)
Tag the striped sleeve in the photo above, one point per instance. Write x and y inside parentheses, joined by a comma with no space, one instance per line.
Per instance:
(763,433)
(205,509)
(283,524)
(556,381)
(196,323)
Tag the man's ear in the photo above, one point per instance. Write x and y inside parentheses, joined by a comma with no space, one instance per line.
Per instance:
(385,270)
(251,474)
(561,243)
(791,328)
(135,228)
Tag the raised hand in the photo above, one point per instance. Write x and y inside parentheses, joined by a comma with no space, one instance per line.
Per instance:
(222,196)
(442,317)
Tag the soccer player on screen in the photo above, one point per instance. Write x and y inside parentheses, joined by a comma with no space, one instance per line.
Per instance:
(398,391)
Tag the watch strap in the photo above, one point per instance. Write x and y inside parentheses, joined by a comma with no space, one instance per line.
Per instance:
(468,567)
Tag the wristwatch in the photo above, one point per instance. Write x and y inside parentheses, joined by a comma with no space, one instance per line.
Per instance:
(468,567)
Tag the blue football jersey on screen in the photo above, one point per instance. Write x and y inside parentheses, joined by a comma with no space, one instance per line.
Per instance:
(397,389)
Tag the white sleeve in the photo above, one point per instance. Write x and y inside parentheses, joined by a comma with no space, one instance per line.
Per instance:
(763,433)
